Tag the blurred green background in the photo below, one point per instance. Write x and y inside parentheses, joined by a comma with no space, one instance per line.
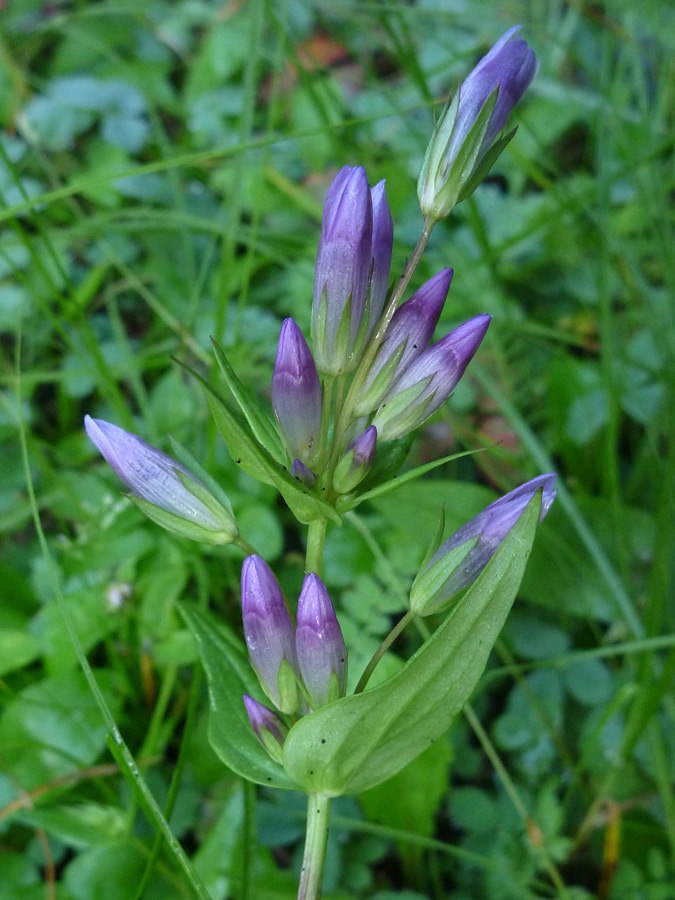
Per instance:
(162,173)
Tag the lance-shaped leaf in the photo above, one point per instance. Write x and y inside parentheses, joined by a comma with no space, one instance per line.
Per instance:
(254,459)
(259,421)
(362,740)
(230,676)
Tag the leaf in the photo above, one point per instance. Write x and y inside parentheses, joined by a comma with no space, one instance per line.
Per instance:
(230,676)
(259,422)
(400,480)
(362,740)
(254,459)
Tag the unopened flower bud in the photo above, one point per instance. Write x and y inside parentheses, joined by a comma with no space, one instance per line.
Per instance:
(343,266)
(460,560)
(296,394)
(406,338)
(463,149)
(380,255)
(300,471)
(322,655)
(428,381)
(356,462)
(161,487)
(269,633)
(269,728)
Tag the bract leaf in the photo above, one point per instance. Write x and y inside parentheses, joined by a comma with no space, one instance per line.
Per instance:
(363,739)
(350,501)
(230,676)
(259,422)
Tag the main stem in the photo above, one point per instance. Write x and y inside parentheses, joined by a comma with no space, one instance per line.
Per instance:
(316,535)
(318,812)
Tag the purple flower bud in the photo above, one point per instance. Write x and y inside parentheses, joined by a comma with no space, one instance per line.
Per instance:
(451,569)
(406,338)
(300,470)
(464,135)
(163,488)
(342,273)
(269,633)
(269,728)
(355,464)
(322,655)
(296,394)
(383,242)
(428,381)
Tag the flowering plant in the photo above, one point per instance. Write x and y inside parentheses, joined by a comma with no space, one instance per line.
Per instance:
(369,377)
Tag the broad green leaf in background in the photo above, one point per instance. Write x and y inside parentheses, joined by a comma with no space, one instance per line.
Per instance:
(230,676)
(362,740)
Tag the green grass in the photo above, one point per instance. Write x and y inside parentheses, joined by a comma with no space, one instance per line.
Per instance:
(174,192)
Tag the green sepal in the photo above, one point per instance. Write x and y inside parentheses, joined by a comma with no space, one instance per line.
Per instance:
(427,584)
(272,745)
(229,677)
(187,459)
(181,526)
(435,540)
(482,170)
(287,686)
(223,513)
(259,421)
(364,739)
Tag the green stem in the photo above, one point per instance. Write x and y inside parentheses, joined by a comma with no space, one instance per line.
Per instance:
(382,649)
(316,535)
(248,549)
(316,838)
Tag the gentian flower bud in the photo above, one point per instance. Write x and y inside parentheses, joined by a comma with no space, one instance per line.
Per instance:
(342,274)
(380,255)
(356,463)
(428,381)
(322,655)
(161,487)
(269,728)
(300,470)
(269,633)
(296,394)
(461,151)
(407,336)
(460,560)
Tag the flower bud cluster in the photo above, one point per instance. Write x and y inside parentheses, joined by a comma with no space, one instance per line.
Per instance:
(294,663)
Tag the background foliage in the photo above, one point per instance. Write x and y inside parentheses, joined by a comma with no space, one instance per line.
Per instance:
(162,170)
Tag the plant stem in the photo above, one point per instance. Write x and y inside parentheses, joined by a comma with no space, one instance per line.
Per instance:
(244,545)
(316,535)
(382,649)
(318,811)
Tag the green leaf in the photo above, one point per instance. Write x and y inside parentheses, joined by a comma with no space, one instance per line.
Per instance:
(230,676)
(364,739)
(255,460)
(350,502)
(259,422)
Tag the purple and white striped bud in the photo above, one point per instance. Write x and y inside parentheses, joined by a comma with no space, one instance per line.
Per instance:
(269,729)
(296,394)
(460,560)
(269,633)
(356,462)
(381,250)
(342,274)
(462,149)
(163,488)
(428,381)
(322,655)
(406,338)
